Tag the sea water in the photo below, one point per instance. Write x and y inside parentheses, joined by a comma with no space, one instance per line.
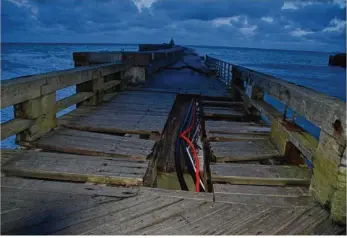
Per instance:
(305,68)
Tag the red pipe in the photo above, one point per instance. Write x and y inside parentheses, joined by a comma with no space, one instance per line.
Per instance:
(196,158)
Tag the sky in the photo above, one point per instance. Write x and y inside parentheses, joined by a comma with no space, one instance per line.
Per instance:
(318,25)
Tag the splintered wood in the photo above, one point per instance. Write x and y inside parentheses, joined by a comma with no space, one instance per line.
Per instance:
(120,171)
(95,144)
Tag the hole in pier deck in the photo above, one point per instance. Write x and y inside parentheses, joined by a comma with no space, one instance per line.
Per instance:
(166,162)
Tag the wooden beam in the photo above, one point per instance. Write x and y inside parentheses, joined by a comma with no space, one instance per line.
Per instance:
(305,142)
(15,126)
(72,100)
(17,90)
(318,108)
(111,84)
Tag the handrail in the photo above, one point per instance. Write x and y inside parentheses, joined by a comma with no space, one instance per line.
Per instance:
(326,112)
(18,90)
(34,96)
(96,76)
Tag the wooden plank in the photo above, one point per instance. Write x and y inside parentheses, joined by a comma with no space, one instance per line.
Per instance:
(61,187)
(94,144)
(15,126)
(109,96)
(243,150)
(221,137)
(70,219)
(229,113)
(279,175)
(111,84)
(266,223)
(216,103)
(17,90)
(72,100)
(219,220)
(260,190)
(181,221)
(305,224)
(146,219)
(231,127)
(74,168)
(177,194)
(115,217)
(43,110)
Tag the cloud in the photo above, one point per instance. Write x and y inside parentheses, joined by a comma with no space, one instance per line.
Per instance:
(289,5)
(247,23)
(249,30)
(267,19)
(335,25)
(299,32)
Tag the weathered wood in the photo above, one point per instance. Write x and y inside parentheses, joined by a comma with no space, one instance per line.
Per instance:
(93,144)
(41,109)
(138,222)
(223,137)
(267,222)
(15,126)
(217,103)
(111,84)
(180,223)
(74,167)
(113,219)
(72,100)
(260,190)
(320,109)
(109,96)
(287,131)
(305,224)
(243,150)
(63,187)
(17,90)
(260,174)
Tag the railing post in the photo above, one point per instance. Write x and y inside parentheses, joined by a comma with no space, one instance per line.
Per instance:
(236,82)
(95,85)
(41,109)
(328,183)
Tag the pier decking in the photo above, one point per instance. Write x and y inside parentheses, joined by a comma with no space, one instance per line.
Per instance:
(93,170)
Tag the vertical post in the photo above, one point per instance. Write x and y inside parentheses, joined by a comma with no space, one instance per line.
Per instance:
(41,109)
(328,182)
(228,74)
(95,85)
(236,82)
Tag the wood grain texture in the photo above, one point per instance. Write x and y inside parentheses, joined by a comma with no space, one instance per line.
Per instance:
(245,150)
(15,126)
(94,144)
(260,174)
(72,100)
(75,167)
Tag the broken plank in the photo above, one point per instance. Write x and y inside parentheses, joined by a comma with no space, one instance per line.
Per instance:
(73,168)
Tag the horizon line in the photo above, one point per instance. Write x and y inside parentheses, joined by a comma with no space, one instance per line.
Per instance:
(202,46)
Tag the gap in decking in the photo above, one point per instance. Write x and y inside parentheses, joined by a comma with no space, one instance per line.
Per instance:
(162,172)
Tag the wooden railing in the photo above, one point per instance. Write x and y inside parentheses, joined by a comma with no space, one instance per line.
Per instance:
(34,97)
(326,155)
(97,76)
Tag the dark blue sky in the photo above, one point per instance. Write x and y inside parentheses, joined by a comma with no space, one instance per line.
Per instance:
(303,25)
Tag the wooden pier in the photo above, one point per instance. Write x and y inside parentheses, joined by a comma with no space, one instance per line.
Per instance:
(108,166)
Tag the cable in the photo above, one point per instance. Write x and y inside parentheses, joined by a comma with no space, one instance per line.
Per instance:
(177,151)
(197,163)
